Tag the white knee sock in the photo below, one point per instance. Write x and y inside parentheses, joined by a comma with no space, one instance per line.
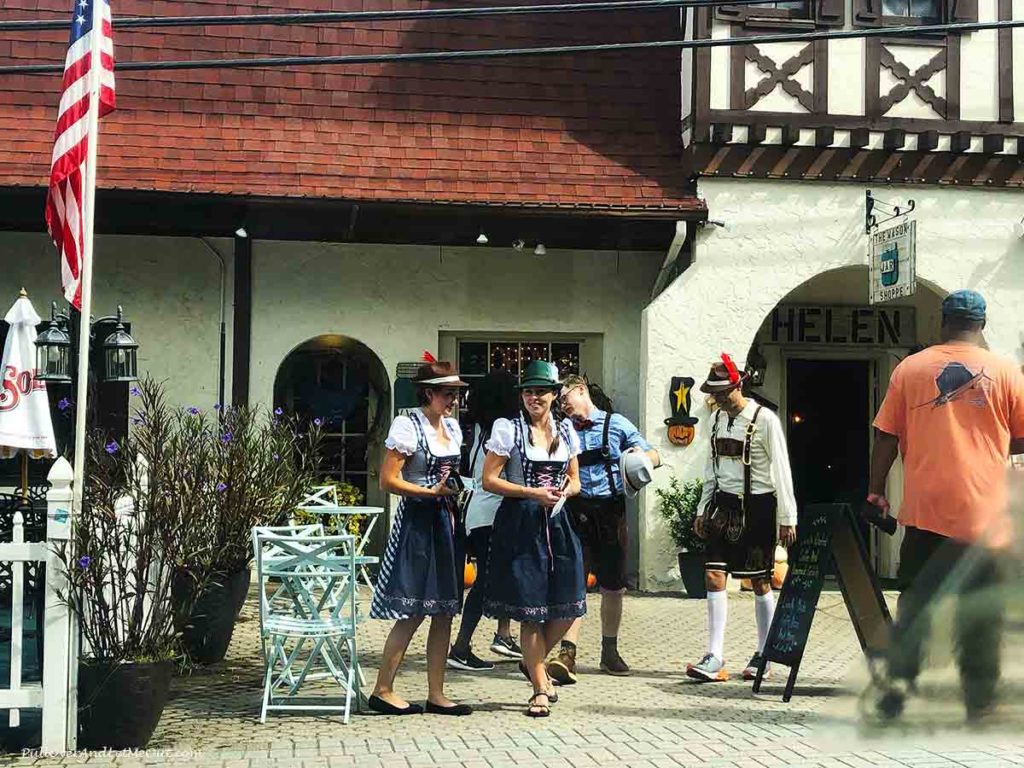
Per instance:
(764,610)
(718,609)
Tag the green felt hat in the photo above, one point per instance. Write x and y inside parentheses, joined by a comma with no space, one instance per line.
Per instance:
(540,373)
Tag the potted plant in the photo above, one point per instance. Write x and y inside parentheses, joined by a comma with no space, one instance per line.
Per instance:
(257,468)
(119,562)
(677,505)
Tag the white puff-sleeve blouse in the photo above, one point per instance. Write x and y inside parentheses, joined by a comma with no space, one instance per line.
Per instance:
(402,436)
(503,440)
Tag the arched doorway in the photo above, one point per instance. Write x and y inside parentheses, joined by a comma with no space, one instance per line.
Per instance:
(822,358)
(342,382)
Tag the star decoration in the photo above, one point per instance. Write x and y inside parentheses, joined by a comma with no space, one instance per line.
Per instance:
(80,20)
(83,4)
(681,394)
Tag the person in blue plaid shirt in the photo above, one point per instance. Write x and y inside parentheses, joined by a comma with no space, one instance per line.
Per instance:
(599,514)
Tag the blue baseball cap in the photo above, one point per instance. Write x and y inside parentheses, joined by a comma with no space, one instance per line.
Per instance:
(964,303)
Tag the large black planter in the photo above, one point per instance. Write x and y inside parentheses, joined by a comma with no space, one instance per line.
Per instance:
(119,705)
(242,590)
(691,570)
(206,620)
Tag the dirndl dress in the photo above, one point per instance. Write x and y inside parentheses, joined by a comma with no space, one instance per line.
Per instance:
(535,571)
(421,571)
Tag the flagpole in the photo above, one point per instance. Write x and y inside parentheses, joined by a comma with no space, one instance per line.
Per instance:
(82,393)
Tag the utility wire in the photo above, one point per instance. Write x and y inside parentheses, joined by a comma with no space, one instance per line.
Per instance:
(299,61)
(333,17)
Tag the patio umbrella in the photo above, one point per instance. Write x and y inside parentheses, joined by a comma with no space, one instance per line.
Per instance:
(25,425)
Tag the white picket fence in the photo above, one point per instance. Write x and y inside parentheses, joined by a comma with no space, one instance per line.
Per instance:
(56,695)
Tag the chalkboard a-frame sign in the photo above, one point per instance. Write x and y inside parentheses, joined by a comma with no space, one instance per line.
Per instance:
(830,532)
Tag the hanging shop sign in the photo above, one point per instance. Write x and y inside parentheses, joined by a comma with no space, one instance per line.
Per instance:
(892,252)
(839,325)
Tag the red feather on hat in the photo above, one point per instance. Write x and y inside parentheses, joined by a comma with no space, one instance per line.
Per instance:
(428,358)
(730,366)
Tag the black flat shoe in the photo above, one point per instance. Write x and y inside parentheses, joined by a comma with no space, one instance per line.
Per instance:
(457,710)
(377,704)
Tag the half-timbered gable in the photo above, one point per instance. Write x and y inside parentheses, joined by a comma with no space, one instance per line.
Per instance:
(920,108)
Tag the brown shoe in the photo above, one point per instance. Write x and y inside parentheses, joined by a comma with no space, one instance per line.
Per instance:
(612,664)
(562,668)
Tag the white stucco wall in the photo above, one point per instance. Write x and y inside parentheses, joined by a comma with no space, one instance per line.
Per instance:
(398,299)
(395,299)
(169,288)
(779,235)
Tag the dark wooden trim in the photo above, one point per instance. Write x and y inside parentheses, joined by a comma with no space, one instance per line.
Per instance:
(992,144)
(1005,38)
(721,133)
(702,76)
(894,139)
(790,135)
(913,82)
(960,141)
(859,138)
(872,73)
(756,134)
(751,16)
(737,73)
(241,344)
(824,137)
(850,122)
(820,77)
(778,74)
(953,77)
(927,141)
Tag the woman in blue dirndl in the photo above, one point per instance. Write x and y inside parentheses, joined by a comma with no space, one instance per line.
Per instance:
(536,563)
(422,569)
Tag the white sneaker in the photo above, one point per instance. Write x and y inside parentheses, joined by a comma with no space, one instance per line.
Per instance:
(750,671)
(710,669)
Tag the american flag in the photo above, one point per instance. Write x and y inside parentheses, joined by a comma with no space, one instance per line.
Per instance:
(65,201)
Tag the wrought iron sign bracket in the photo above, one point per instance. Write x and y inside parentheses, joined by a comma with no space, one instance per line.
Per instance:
(890,211)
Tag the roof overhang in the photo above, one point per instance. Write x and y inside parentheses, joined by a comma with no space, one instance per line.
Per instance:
(435,222)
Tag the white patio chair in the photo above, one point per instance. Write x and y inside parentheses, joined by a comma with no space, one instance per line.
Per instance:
(308,619)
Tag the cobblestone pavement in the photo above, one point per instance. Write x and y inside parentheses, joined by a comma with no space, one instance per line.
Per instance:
(655,717)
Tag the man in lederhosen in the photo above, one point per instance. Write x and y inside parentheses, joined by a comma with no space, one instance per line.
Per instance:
(747,499)
(599,514)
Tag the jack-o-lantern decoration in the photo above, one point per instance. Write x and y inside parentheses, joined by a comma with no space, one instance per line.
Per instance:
(469,577)
(681,423)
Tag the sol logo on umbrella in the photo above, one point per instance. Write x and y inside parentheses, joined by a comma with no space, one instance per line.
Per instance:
(16,384)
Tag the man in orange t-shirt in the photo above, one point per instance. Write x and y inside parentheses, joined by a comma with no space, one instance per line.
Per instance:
(954,412)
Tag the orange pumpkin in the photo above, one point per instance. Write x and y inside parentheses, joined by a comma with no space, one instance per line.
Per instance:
(745,585)
(779,574)
(470,575)
(591,580)
(681,434)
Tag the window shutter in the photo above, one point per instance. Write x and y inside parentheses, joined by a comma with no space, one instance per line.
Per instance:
(867,13)
(832,12)
(963,10)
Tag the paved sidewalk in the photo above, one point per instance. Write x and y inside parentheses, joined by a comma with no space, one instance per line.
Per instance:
(655,717)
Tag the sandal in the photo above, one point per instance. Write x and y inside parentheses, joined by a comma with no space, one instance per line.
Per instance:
(538,710)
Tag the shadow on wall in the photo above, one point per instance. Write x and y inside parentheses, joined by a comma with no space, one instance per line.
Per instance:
(541,119)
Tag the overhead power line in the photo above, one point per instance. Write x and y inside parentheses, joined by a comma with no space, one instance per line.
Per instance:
(334,17)
(383,58)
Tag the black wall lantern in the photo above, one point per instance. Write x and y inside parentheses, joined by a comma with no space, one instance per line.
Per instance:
(53,350)
(120,354)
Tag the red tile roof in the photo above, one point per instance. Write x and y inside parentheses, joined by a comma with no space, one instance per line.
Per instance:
(587,129)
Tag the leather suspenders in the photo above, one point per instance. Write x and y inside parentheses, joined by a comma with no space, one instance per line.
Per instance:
(743,450)
(592,456)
